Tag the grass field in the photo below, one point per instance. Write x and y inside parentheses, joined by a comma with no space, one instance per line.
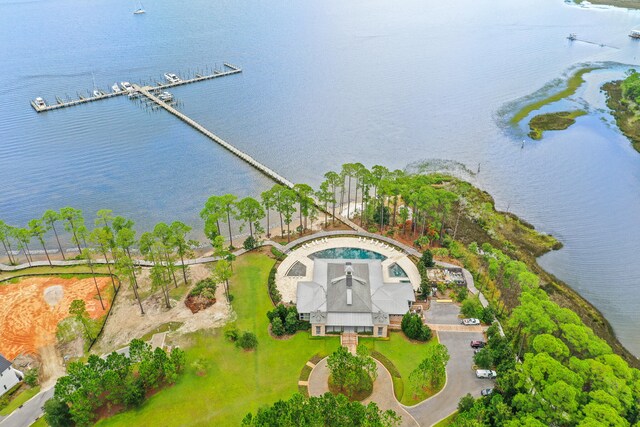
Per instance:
(19,400)
(236,382)
(574,82)
(446,421)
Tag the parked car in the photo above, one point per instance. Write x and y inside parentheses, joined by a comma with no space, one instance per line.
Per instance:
(486,373)
(478,344)
(471,321)
(486,391)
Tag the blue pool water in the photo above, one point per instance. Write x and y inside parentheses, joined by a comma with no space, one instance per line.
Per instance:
(347,253)
(396,271)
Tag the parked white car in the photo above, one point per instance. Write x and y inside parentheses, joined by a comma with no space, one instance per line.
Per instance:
(471,321)
(486,373)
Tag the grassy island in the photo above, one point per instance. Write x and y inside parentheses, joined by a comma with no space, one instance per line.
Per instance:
(553,121)
(622,98)
(573,83)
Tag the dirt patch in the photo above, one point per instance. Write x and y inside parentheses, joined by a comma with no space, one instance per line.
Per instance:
(126,323)
(198,303)
(53,295)
(31,309)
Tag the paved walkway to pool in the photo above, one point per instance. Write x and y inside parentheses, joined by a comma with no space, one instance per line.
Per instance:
(287,285)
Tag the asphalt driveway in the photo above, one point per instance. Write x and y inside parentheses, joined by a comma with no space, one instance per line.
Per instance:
(461,379)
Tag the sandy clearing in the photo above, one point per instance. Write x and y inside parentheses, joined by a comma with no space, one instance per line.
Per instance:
(28,319)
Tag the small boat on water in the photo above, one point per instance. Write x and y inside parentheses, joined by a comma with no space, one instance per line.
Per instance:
(98,93)
(165,97)
(39,102)
(572,36)
(634,34)
(172,78)
(115,88)
(126,86)
(140,10)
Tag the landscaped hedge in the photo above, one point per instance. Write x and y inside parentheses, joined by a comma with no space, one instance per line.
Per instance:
(276,253)
(273,290)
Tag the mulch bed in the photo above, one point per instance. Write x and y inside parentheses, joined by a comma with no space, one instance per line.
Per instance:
(197,303)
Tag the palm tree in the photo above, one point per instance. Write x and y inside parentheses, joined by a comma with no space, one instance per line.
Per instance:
(333,180)
(23,237)
(6,243)
(38,231)
(103,237)
(73,221)
(250,211)
(182,246)
(50,217)
(268,201)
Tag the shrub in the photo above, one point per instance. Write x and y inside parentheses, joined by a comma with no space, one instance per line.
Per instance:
(277,328)
(250,243)
(273,290)
(276,253)
(427,259)
(461,293)
(232,334)
(31,377)
(291,322)
(414,328)
(471,307)
(247,341)
(466,403)
(488,314)
(483,358)
(205,287)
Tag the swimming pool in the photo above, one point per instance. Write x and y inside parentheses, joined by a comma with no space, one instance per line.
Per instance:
(396,271)
(347,253)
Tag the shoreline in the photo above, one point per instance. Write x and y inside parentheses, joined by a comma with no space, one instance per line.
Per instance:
(625,4)
(623,115)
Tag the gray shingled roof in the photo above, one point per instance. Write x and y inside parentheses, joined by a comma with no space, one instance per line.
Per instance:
(337,289)
(4,364)
(393,298)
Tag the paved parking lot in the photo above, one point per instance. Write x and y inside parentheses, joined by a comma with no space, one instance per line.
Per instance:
(443,313)
(461,379)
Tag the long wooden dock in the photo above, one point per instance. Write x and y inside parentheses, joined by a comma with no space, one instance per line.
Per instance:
(232,69)
(150,93)
(146,91)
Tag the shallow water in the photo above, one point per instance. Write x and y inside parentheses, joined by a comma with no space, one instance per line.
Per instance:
(324,83)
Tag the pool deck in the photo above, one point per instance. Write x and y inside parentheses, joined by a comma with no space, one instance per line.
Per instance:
(287,285)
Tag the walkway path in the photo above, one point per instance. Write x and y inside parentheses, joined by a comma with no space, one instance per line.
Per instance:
(382,393)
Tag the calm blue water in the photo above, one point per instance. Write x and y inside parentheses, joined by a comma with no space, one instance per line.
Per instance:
(347,253)
(324,83)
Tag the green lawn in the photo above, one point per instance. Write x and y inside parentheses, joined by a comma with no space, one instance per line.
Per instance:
(55,270)
(236,382)
(406,356)
(40,423)
(446,421)
(19,400)
(574,82)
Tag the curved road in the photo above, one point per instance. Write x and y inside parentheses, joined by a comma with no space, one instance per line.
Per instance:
(382,393)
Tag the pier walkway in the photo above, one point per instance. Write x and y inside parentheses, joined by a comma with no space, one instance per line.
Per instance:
(146,91)
(162,86)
